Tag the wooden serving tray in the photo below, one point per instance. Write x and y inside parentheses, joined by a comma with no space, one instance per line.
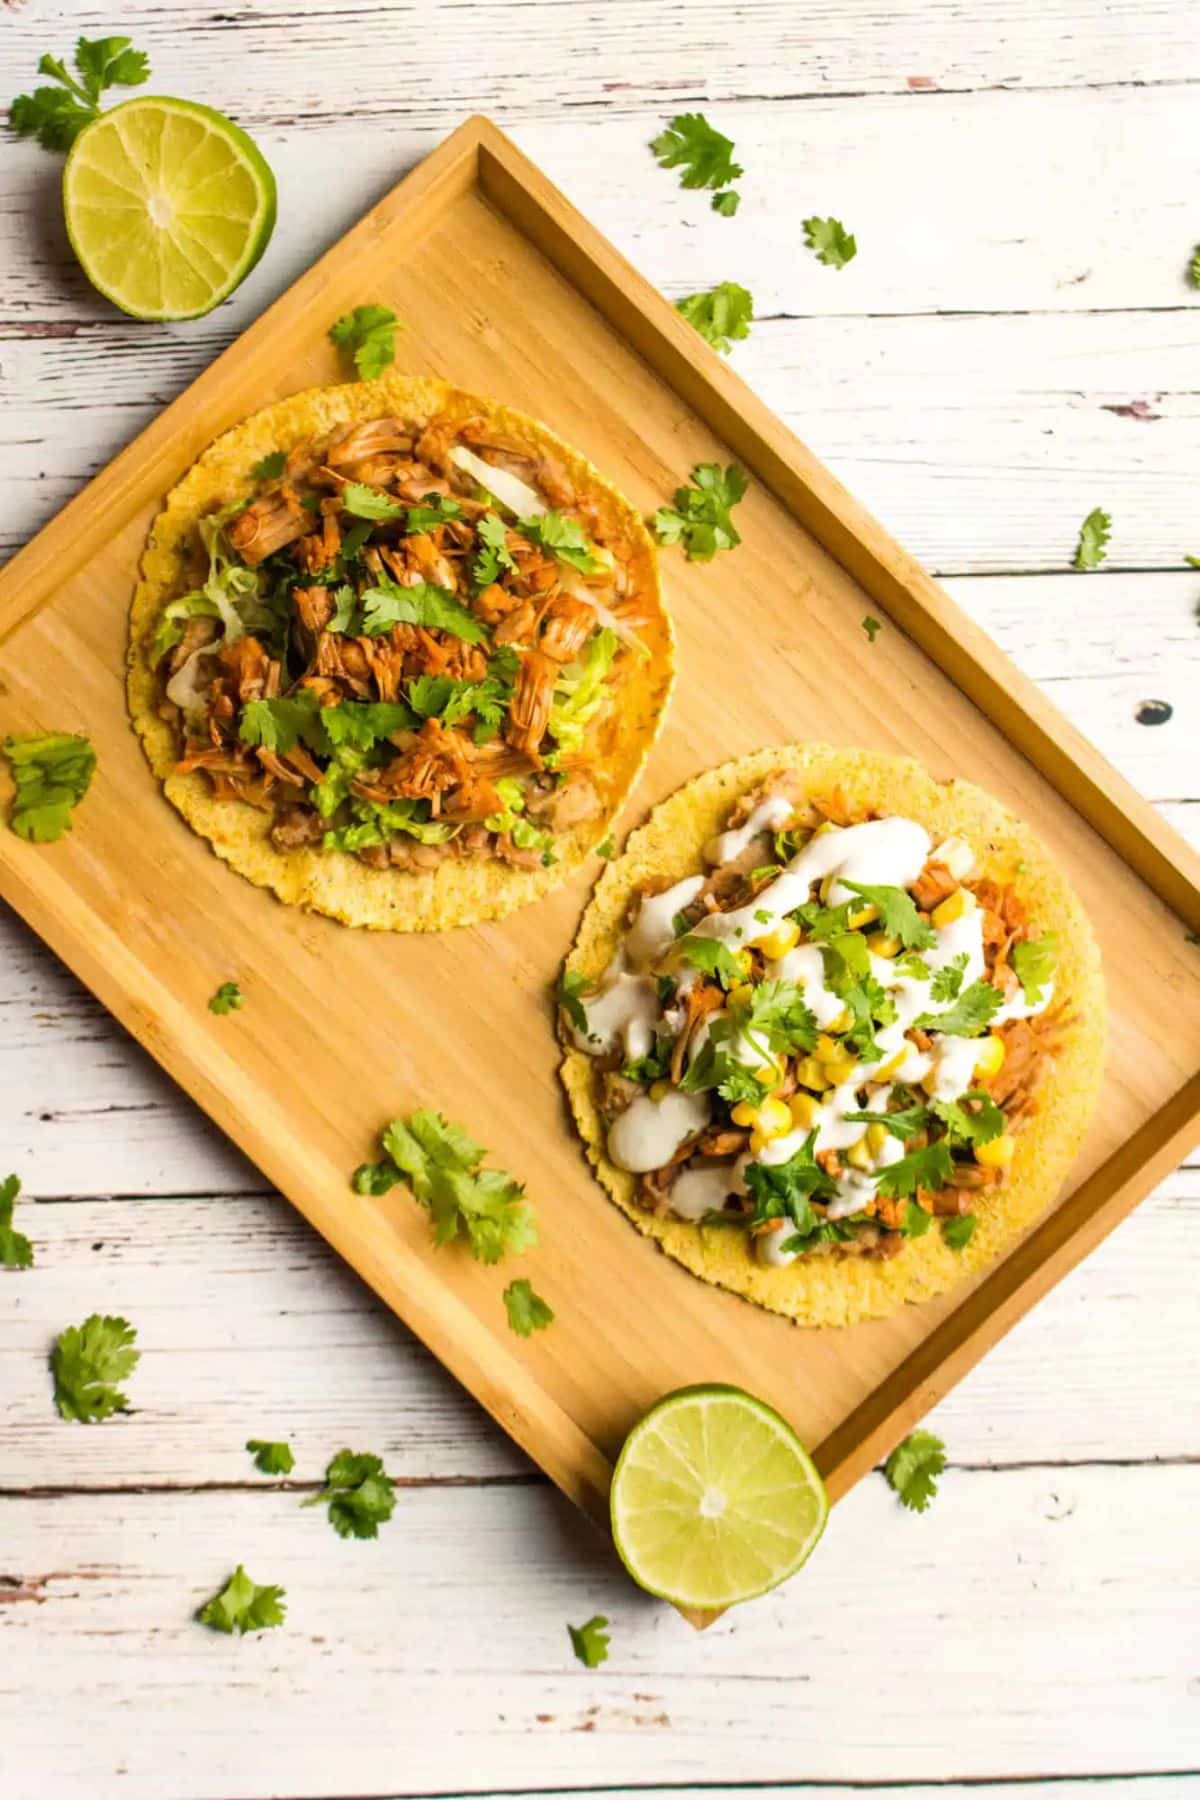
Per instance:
(504,288)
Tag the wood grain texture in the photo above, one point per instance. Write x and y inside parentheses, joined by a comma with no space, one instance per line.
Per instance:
(982,441)
(98,1602)
(985,201)
(948,196)
(304,68)
(250,1327)
(567,1406)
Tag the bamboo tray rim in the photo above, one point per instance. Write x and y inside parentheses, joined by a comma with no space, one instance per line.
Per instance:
(478,155)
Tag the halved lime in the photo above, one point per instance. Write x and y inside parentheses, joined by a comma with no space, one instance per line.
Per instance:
(714,1498)
(168,205)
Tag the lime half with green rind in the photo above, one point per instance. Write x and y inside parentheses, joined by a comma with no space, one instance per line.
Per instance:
(715,1499)
(168,206)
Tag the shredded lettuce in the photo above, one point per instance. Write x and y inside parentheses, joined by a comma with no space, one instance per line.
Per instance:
(525,835)
(227,583)
(378,824)
(580,691)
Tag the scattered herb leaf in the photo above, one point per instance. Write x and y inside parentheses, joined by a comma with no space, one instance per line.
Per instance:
(590,1641)
(228,998)
(721,315)
(691,144)
(701,517)
(88,1360)
(369,335)
(913,1468)
(527,1311)
(16,1251)
(271,1458)
(830,242)
(243,1606)
(442,1166)
(56,115)
(1094,534)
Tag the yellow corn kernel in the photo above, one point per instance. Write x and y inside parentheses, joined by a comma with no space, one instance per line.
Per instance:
(858,1155)
(990,1060)
(770,1074)
(862,915)
(956,855)
(888,1069)
(742,959)
(877,1137)
(999,1153)
(774,1118)
(880,944)
(659,1090)
(961,901)
(827,1047)
(741,994)
(843,1022)
(803,1109)
(744,1113)
(776,943)
(811,1074)
(840,1068)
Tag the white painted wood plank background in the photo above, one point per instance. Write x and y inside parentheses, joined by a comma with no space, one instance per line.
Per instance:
(1031,170)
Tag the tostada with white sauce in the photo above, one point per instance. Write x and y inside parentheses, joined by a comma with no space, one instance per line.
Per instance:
(834,1030)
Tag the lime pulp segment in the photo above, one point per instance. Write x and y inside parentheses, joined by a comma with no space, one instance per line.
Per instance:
(168,206)
(715,1499)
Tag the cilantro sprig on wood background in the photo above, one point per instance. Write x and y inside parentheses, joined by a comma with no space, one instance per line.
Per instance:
(443,1167)
(56,115)
(16,1251)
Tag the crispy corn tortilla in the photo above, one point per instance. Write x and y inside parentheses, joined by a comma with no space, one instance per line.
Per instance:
(455,892)
(841,1290)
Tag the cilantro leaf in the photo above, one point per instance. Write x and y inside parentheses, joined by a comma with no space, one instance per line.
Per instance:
(1033,962)
(701,518)
(777,1010)
(1094,534)
(360,1496)
(904,1124)
(690,143)
(898,914)
(268,467)
(913,1467)
(971,1013)
(361,724)
(279,724)
(916,1221)
(565,539)
(16,1251)
(570,991)
(110,62)
(607,847)
(271,1458)
(1194,267)
(726,204)
(527,1311)
(872,627)
(389,604)
(928,1168)
(948,980)
(830,242)
(52,772)
(784,1190)
(363,502)
(722,314)
(715,1068)
(914,967)
(442,1167)
(712,957)
(495,555)
(434,510)
(228,998)
(243,1606)
(368,333)
(87,1361)
(590,1641)
(846,961)
(56,115)
(977,1124)
(958,1232)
